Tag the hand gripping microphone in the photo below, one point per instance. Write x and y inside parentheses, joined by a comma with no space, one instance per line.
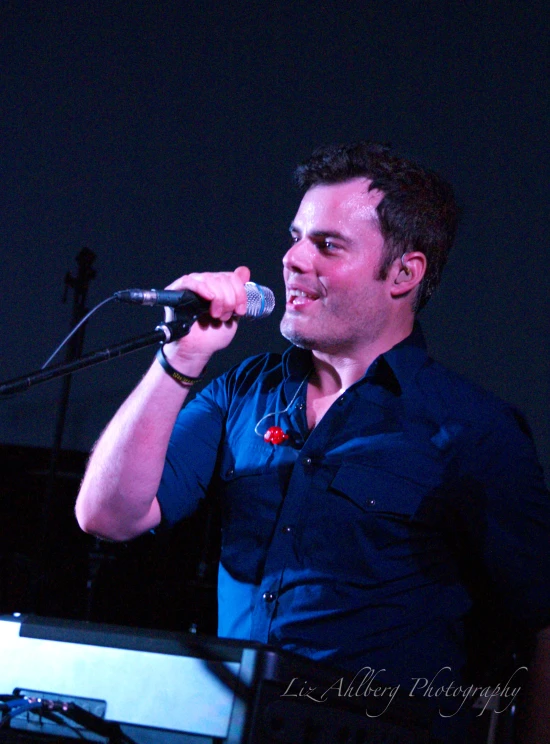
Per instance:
(260,301)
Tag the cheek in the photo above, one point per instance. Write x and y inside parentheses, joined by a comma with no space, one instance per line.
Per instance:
(354,278)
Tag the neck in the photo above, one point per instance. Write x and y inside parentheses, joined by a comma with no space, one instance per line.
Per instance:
(335,372)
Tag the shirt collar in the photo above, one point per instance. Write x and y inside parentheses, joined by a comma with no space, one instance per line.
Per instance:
(296,362)
(404,360)
(394,369)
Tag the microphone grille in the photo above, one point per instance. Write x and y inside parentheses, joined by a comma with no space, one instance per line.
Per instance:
(260,301)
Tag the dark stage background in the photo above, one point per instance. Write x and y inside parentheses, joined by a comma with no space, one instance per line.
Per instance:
(163,136)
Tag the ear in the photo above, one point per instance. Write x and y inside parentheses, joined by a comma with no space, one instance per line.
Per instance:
(407,273)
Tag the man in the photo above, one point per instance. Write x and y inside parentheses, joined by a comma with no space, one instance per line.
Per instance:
(366,492)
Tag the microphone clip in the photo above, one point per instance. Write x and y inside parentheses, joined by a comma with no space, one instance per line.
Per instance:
(177,325)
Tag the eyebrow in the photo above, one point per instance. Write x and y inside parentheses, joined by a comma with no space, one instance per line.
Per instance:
(322,234)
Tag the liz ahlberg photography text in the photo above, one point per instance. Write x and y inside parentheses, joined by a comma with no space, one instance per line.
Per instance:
(366,684)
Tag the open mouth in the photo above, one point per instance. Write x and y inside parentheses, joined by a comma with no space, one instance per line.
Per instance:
(296,297)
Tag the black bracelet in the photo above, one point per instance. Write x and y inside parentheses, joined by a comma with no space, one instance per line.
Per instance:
(181,379)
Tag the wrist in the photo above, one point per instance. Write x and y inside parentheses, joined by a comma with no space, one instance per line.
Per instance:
(188,362)
(193,372)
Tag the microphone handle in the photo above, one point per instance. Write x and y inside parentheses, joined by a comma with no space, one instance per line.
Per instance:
(166,297)
(260,300)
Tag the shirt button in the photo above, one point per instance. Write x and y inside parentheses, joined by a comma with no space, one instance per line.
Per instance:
(300,406)
(268,597)
(341,399)
(371,502)
(229,473)
(287,528)
(307,461)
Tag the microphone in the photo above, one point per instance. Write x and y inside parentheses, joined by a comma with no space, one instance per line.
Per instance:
(260,301)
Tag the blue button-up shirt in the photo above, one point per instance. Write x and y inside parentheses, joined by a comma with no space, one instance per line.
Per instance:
(357,542)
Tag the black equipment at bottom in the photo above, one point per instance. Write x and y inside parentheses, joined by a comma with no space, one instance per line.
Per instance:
(112,684)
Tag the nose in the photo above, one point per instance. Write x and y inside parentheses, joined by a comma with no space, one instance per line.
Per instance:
(299,256)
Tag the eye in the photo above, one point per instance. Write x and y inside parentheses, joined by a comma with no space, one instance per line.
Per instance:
(294,238)
(327,246)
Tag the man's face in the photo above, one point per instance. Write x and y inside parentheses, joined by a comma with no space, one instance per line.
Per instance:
(334,301)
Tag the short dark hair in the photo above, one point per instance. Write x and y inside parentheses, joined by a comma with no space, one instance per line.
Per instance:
(417,213)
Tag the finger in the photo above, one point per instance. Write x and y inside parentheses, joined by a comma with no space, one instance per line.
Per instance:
(224,289)
(194,282)
(242,273)
(229,295)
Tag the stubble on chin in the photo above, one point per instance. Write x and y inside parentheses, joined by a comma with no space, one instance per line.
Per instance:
(331,340)
(289,332)
(290,329)
(326,344)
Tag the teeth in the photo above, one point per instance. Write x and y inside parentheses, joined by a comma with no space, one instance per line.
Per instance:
(297,296)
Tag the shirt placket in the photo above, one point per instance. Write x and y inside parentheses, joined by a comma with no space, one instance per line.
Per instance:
(282,547)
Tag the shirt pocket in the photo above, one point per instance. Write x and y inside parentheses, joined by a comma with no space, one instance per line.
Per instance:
(378,490)
(388,506)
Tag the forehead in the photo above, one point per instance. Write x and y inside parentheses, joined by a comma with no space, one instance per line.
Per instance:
(347,203)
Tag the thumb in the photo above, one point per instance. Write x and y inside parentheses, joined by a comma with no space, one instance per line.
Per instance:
(243,272)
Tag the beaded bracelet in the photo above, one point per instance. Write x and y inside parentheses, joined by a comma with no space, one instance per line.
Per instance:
(181,379)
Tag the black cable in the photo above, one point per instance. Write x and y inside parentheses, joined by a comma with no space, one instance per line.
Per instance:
(12,706)
(75,329)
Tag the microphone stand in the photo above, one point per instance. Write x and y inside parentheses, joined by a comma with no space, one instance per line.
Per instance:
(79,284)
(164,332)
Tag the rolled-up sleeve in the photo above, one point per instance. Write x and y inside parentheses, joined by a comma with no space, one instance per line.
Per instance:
(192,454)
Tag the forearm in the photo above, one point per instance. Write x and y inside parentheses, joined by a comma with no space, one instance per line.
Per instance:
(117,499)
